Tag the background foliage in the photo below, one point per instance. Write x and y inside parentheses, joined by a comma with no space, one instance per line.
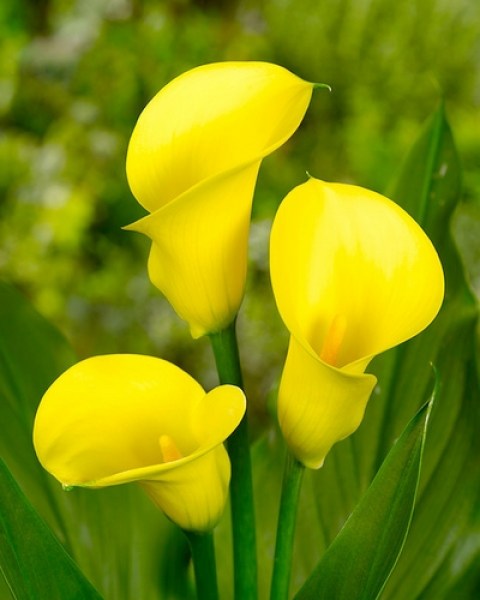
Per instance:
(74,76)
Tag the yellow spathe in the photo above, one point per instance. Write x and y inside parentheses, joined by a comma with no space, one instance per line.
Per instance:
(129,418)
(192,162)
(353,275)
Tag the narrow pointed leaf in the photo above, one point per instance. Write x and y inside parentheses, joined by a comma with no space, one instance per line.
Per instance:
(443,548)
(442,552)
(120,541)
(33,562)
(358,563)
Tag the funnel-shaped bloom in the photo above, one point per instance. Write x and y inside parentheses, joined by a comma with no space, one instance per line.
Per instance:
(122,418)
(192,162)
(353,275)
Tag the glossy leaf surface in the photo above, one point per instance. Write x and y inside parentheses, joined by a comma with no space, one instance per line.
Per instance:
(359,561)
(122,543)
(443,546)
(33,562)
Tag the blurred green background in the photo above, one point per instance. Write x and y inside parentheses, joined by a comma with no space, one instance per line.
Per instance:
(74,76)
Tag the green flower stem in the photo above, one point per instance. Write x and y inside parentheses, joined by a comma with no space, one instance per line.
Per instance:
(203,556)
(292,481)
(225,349)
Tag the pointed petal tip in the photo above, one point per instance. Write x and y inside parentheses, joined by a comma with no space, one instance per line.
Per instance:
(135,226)
(321,86)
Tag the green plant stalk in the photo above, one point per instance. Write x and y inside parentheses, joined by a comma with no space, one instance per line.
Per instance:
(203,556)
(225,350)
(292,481)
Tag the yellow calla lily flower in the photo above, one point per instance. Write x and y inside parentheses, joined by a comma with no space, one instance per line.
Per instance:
(353,275)
(128,418)
(192,162)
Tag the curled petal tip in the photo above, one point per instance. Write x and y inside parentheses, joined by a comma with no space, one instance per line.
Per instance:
(194,168)
(322,86)
(127,418)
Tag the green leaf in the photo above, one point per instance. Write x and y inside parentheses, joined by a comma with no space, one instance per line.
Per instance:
(443,548)
(32,355)
(362,556)
(33,562)
(121,542)
(442,552)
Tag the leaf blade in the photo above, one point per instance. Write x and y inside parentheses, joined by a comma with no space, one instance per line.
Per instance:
(438,538)
(33,562)
(119,539)
(362,556)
